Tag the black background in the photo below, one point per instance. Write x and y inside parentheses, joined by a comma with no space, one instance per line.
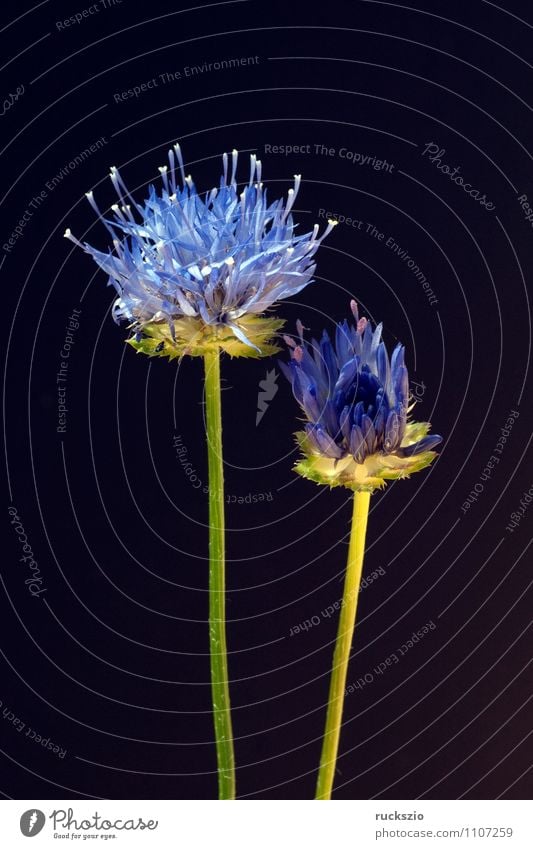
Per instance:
(111,661)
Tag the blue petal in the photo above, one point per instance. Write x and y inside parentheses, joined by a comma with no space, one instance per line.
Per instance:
(357,444)
(425,444)
(330,359)
(392,432)
(325,443)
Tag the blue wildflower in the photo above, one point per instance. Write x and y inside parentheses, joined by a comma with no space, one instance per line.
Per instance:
(356,401)
(195,271)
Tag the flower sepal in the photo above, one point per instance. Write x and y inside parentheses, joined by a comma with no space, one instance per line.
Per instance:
(190,336)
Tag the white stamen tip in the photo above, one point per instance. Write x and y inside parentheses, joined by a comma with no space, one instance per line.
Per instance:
(67,234)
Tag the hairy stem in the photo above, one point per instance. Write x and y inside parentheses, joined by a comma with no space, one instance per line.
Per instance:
(217,588)
(341,656)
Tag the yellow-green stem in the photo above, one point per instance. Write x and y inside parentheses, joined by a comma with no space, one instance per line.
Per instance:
(341,656)
(217,583)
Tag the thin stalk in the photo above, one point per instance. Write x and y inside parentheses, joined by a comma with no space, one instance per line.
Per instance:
(217,583)
(341,656)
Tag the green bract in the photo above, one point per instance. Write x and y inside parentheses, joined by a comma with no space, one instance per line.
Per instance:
(192,337)
(373,473)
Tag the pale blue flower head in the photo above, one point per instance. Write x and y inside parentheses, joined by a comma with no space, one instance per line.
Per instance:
(195,270)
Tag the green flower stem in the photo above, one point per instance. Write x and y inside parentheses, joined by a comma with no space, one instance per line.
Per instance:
(352,581)
(217,588)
